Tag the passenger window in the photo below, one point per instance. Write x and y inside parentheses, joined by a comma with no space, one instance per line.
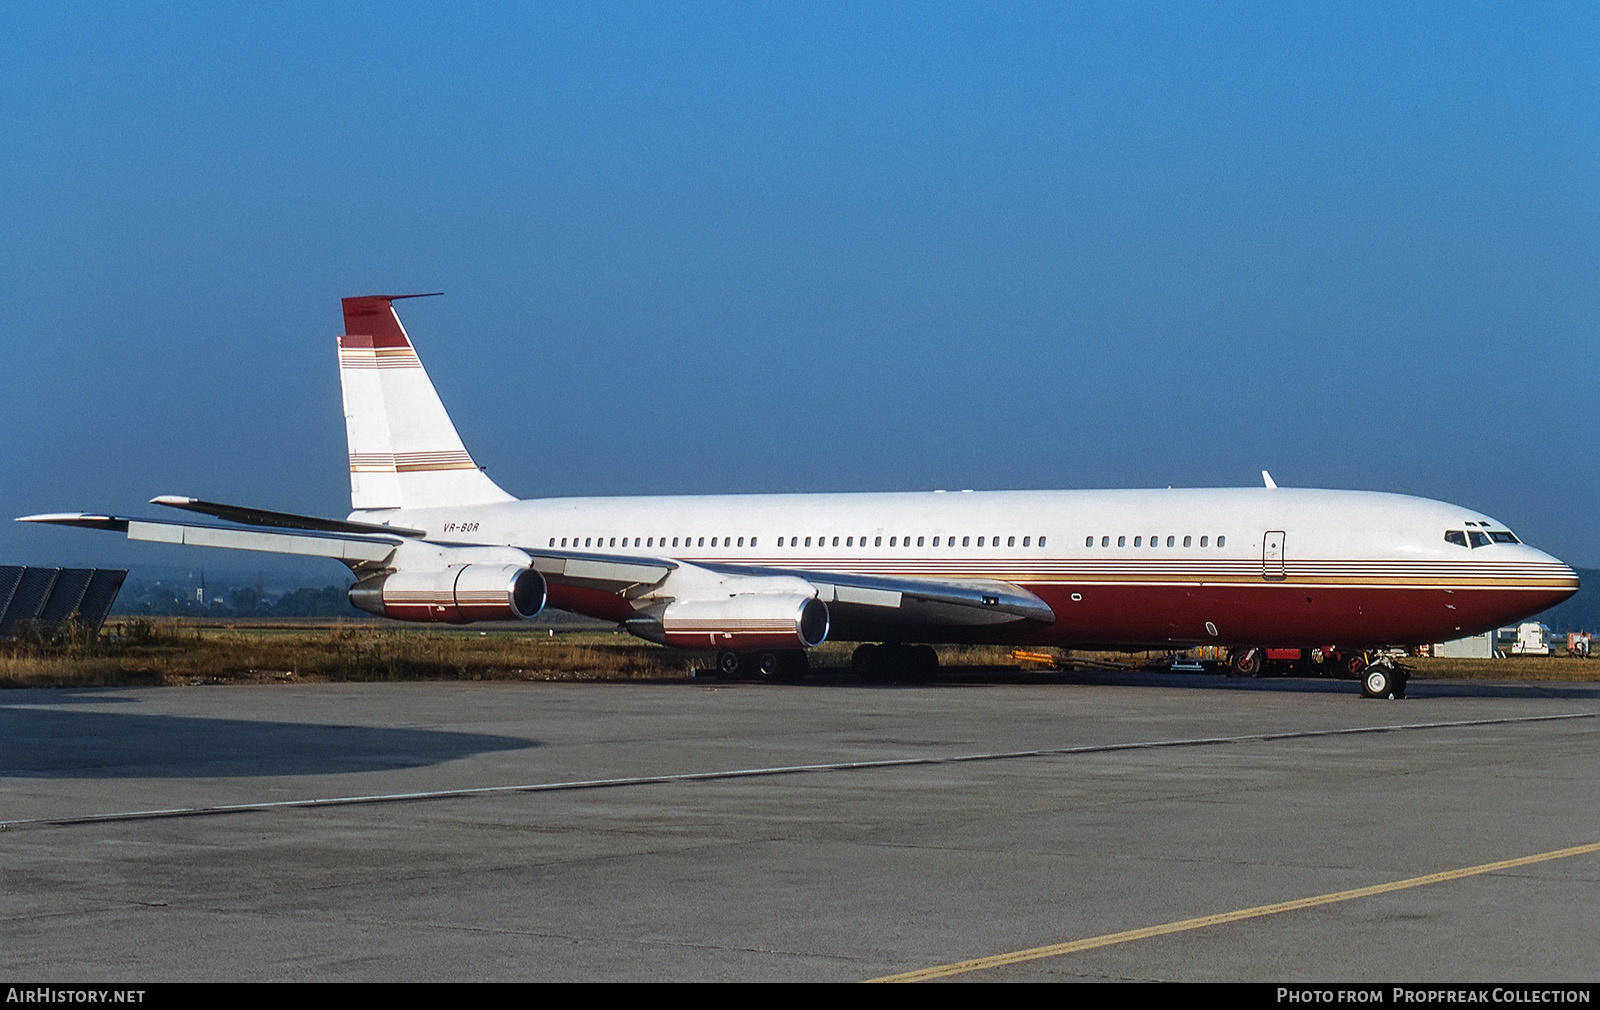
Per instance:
(1138,541)
(674,541)
(994,541)
(1203,541)
(877,541)
(1026,539)
(808,541)
(893,541)
(1169,541)
(1456,537)
(1221,541)
(966,541)
(935,541)
(752,541)
(588,541)
(919,541)
(1041,541)
(741,541)
(1188,541)
(702,541)
(1121,542)
(1087,541)
(849,541)
(552,541)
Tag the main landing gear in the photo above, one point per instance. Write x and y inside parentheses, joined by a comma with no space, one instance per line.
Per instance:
(895,664)
(776,665)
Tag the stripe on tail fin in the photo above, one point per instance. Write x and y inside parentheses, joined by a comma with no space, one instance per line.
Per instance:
(404,450)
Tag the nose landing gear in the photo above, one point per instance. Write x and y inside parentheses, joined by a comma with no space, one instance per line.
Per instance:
(1382,679)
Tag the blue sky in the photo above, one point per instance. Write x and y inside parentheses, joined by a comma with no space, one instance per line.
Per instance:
(780,247)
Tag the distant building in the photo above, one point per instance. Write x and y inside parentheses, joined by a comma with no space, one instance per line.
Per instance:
(1473,647)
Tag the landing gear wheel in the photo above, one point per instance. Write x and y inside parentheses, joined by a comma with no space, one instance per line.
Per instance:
(869,663)
(1246,662)
(893,663)
(730,664)
(780,666)
(1380,682)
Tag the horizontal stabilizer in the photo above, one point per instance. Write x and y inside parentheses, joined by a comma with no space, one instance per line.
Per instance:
(287,520)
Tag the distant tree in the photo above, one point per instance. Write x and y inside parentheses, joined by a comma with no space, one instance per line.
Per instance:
(329,601)
(245,602)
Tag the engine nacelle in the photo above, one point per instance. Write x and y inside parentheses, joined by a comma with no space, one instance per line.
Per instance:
(747,621)
(456,595)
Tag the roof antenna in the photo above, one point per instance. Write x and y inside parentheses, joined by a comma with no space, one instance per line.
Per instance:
(1266,478)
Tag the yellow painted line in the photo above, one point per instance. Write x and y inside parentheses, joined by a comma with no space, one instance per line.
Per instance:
(1184,925)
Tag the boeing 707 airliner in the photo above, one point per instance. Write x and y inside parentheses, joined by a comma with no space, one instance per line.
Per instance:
(763,578)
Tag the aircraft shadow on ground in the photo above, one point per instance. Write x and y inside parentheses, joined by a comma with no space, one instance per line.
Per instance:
(50,743)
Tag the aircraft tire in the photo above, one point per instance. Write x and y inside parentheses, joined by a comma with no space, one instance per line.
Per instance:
(1246,662)
(730,664)
(776,667)
(1378,682)
(869,662)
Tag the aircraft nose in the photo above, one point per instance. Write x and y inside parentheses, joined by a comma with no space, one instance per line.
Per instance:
(1562,578)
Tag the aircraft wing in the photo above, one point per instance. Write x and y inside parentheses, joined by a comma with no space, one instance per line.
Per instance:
(927,602)
(353,549)
(875,601)
(919,601)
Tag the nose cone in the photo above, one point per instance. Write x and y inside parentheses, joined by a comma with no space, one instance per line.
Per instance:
(1544,580)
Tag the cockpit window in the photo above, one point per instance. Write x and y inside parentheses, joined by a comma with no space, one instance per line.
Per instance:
(1478,538)
(1503,537)
(1456,537)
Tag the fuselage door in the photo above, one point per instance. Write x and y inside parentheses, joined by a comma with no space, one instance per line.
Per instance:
(1272,555)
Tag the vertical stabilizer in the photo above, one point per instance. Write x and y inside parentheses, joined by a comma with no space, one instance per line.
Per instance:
(404,450)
